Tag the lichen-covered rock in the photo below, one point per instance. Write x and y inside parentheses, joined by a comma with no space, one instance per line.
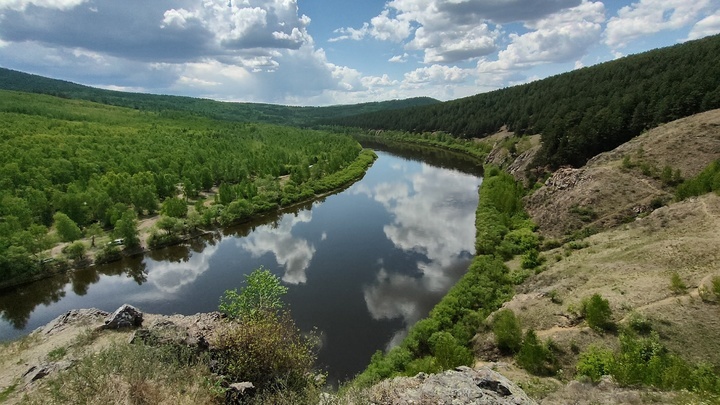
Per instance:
(73,317)
(453,387)
(127,316)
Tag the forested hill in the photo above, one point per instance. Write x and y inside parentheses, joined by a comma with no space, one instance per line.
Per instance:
(583,112)
(241,112)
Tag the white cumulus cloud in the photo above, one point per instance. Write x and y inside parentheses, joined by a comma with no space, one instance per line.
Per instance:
(561,37)
(56,4)
(648,17)
(709,25)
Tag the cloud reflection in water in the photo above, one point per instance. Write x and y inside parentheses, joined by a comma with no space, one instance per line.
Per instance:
(169,277)
(291,252)
(433,215)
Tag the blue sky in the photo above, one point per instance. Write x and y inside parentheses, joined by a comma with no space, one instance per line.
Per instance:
(322,52)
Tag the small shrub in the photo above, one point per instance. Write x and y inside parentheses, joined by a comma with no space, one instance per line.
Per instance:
(595,362)
(550,244)
(75,251)
(427,364)
(532,259)
(109,253)
(448,352)
(57,354)
(555,297)
(716,286)
(585,214)
(535,356)
(508,334)
(597,313)
(639,323)
(575,245)
(677,285)
(260,296)
(270,352)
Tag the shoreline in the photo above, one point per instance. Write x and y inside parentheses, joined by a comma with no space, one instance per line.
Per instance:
(63,266)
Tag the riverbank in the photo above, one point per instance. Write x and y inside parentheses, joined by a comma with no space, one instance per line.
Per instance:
(188,228)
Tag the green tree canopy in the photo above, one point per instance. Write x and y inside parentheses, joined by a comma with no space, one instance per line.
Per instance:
(67,229)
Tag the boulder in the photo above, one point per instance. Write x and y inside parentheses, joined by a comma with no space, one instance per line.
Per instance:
(463,385)
(238,391)
(127,316)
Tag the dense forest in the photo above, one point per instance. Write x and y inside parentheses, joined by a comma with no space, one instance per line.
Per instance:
(580,113)
(240,112)
(73,168)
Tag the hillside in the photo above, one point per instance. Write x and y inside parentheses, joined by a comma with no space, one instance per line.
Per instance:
(230,111)
(580,113)
(653,259)
(617,186)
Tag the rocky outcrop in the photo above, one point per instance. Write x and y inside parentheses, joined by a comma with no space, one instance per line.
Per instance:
(127,316)
(463,385)
(73,318)
(191,331)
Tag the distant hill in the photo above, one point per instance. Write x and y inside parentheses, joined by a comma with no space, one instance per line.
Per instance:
(580,113)
(243,112)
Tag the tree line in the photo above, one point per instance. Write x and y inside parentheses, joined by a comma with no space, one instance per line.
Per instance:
(580,113)
(177,106)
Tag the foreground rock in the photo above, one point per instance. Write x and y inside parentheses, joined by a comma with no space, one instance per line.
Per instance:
(127,316)
(460,386)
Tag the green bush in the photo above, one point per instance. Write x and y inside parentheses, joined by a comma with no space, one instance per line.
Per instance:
(597,313)
(535,356)
(427,364)
(449,352)
(108,253)
(75,251)
(595,362)
(639,323)
(532,259)
(677,285)
(645,361)
(270,352)
(508,334)
(261,297)
(716,286)
(66,228)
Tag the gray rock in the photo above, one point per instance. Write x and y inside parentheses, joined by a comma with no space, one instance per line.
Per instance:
(37,372)
(237,391)
(165,332)
(75,316)
(127,316)
(453,387)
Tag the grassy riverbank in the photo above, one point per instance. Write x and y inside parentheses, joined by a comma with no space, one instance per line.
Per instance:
(443,339)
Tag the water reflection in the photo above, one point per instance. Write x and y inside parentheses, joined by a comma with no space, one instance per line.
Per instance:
(362,265)
(423,206)
(17,305)
(293,253)
(169,276)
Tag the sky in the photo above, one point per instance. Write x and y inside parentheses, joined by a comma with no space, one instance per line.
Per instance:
(325,52)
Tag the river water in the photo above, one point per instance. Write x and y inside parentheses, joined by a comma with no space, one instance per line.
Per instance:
(361,265)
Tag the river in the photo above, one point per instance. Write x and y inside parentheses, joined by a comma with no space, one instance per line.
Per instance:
(361,265)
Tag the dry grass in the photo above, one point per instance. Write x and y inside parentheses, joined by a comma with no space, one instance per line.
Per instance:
(134,374)
(632,266)
(616,193)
